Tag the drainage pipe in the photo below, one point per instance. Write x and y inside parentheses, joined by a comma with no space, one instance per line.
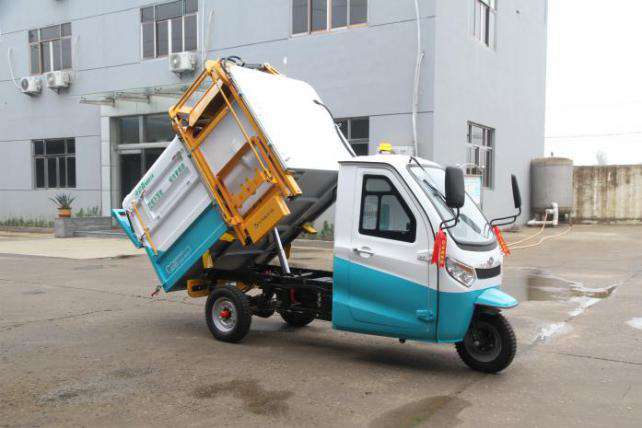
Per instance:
(10,64)
(415,89)
(554,211)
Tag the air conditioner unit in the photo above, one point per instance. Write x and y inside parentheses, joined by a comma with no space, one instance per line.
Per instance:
(30,85)
(58,79)
(181,62)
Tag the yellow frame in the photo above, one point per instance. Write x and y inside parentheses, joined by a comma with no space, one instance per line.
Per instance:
(220,97)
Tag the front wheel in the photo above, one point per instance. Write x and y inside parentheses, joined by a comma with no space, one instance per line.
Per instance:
(228,314)
(489,345)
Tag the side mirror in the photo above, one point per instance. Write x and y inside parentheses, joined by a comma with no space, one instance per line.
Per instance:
(517,197)
(455,193)
(517,200)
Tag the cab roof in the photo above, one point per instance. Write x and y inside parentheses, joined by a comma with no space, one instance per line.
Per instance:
(394,160)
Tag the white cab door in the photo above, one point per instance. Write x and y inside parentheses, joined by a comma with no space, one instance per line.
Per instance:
(388,275)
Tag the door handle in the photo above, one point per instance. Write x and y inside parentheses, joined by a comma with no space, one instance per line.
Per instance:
(425,255)
(363,252)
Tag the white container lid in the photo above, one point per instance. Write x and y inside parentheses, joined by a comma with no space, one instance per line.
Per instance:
(300,131)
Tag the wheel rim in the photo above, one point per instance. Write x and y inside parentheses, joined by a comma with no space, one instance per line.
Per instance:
(483,342)
(224,314)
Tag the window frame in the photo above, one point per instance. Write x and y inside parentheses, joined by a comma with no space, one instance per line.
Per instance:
(410,236)
(65,156)
(488,8)
(184,16)
(329,27)
(487,148)
(50,41)
(348,133)
(142,129)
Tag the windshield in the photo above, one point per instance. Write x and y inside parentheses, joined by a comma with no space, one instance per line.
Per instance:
(473,228)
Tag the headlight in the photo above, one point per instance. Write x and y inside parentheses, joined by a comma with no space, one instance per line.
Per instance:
(464,274)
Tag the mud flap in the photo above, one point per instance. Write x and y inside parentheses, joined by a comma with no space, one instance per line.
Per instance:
(495,298)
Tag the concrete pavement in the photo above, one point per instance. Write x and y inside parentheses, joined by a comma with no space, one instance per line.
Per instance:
(45,245)
(83,344)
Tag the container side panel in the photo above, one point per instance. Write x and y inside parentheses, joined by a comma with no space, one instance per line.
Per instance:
(169,197)
(172,265)
(302,132)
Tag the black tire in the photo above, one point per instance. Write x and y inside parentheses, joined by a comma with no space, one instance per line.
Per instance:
(489,345)
(296,319)
(233,325)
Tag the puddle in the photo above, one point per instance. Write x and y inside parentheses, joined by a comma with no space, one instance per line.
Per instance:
(255,399)
(438,411)
(635,323)
(552,330)
(536,285)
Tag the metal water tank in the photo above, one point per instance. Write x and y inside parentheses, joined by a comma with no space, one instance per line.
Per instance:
(551,181)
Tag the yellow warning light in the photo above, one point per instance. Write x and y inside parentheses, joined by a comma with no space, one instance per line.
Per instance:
(384,148)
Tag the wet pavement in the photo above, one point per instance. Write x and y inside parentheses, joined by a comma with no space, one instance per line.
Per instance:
(537,285)
(83,344)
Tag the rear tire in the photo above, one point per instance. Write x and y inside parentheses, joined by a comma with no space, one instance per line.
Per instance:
(228,314)
(489,345)
(296,319)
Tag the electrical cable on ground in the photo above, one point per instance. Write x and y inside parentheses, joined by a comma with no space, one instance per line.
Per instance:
(568,229)
(528,238)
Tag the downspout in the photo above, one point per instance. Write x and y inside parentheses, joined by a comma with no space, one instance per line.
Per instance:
(206,34)
(10,64)
(74,56)
(415,89)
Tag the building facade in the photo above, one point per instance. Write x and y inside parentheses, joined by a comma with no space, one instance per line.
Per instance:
(470,74)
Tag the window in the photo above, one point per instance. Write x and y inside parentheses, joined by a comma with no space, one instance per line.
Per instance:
(169,27)
(384,213)
(151,128)
(54,163)
(357,132)
(157,128)
(50,48)
(323,15)
(479,152)
(134,165)
(484,17)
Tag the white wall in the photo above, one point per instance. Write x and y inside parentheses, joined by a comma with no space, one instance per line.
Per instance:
(502,88)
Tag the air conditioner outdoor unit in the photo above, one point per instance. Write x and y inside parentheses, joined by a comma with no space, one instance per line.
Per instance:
(30,85)
(58,79)
(181,62)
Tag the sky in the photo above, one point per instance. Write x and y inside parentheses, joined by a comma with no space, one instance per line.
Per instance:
(594,81)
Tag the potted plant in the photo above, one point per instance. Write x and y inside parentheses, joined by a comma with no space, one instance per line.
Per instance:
(63,202)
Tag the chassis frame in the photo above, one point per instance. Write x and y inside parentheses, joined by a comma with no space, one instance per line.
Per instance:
(306,291)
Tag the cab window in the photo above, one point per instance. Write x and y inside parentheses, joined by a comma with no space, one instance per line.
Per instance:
(384,212)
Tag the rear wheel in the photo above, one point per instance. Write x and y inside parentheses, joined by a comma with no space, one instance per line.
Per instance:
(228,314)
(296,319)
(489,345)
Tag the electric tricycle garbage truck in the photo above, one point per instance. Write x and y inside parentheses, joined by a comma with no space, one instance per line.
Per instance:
(256,160)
